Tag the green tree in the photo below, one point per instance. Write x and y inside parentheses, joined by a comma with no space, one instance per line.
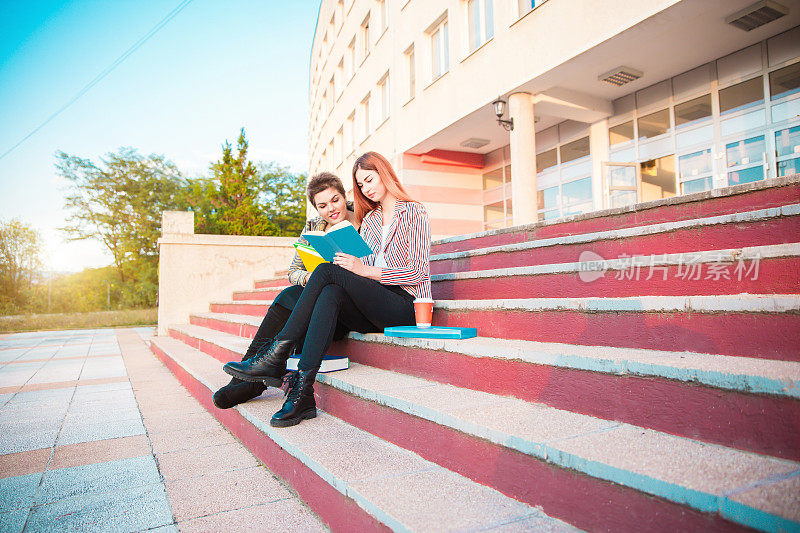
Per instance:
(120,202)
(20,262)
(283,196)
(238,211)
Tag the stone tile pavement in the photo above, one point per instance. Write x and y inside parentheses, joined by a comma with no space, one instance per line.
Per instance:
(97,435)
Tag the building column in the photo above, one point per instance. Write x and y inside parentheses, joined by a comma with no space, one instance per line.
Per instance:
(599,150)
(523,159)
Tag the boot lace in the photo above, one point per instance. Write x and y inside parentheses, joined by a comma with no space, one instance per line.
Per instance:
(291,385)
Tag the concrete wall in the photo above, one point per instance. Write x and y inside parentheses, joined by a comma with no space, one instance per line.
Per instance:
(195,270)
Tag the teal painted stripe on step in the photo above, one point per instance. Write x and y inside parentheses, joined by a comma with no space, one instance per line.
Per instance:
(755,518)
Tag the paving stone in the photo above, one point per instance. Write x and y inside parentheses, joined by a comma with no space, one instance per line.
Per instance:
(223,491)
(18,492)
(190,463)
(26,442)
(189,439)
(85,432)
(110,511)
(99,451)
(292,516)
(13,521)
(110,476)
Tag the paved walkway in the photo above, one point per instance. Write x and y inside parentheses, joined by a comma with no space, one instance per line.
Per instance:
(96,434)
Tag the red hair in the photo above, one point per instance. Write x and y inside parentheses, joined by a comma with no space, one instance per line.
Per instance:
(378,163)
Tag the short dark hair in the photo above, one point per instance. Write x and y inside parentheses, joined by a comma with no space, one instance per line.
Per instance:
(322,181)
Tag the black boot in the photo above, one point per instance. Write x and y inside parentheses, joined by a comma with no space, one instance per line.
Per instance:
(268,366)
(238,391)
(299,404)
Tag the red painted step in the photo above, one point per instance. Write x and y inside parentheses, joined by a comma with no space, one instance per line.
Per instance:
(773,276)
(700,205)
(259,294)
(274,282)
(240,308)
(716,237)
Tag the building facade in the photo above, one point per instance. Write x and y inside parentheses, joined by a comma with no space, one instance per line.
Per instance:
(612,102)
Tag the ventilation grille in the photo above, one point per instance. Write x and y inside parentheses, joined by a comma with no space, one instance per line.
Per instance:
(757,15)
(475,143)
(621,76)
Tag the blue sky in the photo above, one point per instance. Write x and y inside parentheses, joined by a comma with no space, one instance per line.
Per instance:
(214,68)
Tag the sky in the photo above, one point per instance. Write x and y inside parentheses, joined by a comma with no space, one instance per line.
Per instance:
(214,68)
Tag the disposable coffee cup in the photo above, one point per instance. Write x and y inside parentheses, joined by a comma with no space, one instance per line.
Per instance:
(423,312)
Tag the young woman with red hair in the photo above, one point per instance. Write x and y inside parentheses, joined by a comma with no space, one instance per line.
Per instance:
(365,296)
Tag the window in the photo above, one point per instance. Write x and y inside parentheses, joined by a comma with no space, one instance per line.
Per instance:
(575,150)
(546,160)
(654,124)
(547,202)
(620,133)
(741,96)
(480,22)
(365,124)
(365,37)
(383,20)
(784,82)
(497,212)
(339,146)
(412,76)
(692,111)
(526,6)
(350,59)
(383,91)
(351,128)
(745,160)
(339,14)
(331,92)
(694,171)
(440,50)
(340,76)
(577,196)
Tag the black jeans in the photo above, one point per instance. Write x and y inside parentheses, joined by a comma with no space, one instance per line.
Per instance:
(334,294)
(276,317)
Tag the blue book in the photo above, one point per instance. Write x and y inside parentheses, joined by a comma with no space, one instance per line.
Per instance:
(343,238)
(330,363)
(433,332)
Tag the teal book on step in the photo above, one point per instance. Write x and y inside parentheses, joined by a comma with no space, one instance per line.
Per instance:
(342,237)
(434,332)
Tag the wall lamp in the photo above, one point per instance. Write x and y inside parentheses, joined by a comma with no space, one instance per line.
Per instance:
(499,110)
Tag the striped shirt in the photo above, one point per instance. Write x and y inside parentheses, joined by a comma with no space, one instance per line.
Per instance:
(407,247)
(297,270)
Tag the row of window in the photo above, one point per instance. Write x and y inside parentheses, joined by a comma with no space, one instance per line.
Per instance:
(480,28)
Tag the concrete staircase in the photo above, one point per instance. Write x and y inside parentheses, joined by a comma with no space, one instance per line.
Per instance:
(636,369)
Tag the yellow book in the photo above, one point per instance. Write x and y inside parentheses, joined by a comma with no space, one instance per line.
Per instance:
(309,256)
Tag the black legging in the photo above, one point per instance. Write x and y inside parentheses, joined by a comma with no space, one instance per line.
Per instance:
(358,303)
(276,317)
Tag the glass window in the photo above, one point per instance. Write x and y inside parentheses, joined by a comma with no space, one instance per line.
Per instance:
(693,110)
(622,198)
(480,22)
(746,151)
(575,150)
(493,212)
(546,160)
(746,175)
(621,133)
(623,177)
(786,110)
(549,215)
(493,179)
(789,167)
(654,124)
(440,52)
(703,184)
(577,191)
(785,81)
(578,209)
(695,164)
(742,95)
(787,141)
(547,198)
